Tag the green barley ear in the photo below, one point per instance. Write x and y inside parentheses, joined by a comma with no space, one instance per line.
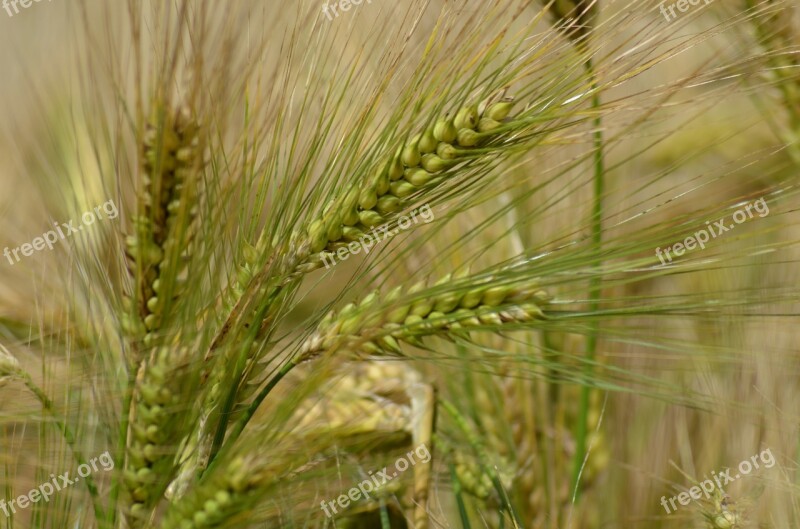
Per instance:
(722,512)
(215,500)
(233,486)
(470,471)
(450,308)
(172,160)
(418,166)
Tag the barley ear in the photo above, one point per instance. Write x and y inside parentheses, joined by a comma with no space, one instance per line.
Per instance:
(420,164)
(217,499)
(158,248)
(376,326)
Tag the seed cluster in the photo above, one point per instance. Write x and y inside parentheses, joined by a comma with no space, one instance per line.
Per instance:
(476,471)
(440,314)
(160,243)
(154,433)
(418,164)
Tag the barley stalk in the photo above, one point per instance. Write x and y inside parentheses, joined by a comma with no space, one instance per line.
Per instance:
(583,15)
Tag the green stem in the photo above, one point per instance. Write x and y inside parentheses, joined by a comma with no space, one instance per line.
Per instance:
(230,400)
(69,437)
(462,508)
(251,410)
(594,283)
(385,522)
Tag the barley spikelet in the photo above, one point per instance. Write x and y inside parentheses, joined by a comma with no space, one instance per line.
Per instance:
(235,484)
(721,512)
(471,473)
(419,165)
(368,391)
(481,473)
